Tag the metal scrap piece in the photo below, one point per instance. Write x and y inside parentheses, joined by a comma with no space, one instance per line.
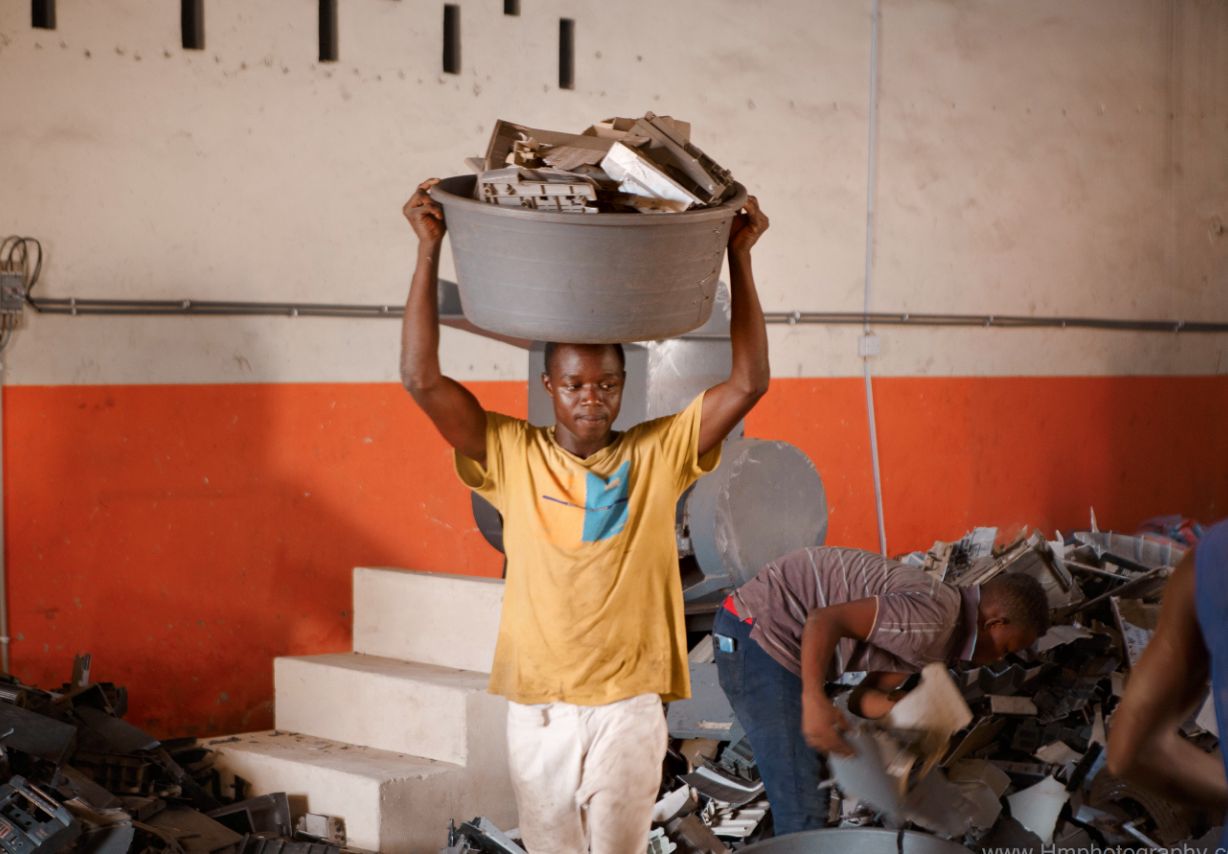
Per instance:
(982,772)
(1171,821)
(482,835)
(983,733)
(32,822)
(1137,621)
(537,189)
(738,822)
(929,715)
(1001,704)
(695,837)
(1009,835)
(638,175)
(1037,807)
(1141,551)
(719,786)
(689,167)
(36,734)
(263,814)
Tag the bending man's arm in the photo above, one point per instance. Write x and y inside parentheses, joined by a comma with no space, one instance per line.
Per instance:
(727,403)
(1145,746)
(454,410)
(822,723)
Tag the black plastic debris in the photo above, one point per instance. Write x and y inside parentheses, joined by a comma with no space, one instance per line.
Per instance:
(33,821)
(81,778)
(480,836)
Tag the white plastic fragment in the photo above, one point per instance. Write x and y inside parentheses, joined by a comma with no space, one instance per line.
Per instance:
(639,176)
(1037,807)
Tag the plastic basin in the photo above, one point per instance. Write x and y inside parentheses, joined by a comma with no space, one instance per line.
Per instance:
(584,278)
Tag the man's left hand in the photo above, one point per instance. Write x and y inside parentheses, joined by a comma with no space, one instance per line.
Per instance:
(748,226)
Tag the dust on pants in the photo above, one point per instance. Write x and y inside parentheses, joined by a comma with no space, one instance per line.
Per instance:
(586,777)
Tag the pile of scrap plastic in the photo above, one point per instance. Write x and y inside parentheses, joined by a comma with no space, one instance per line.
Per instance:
(74,776)
(646,165)
(1010,755)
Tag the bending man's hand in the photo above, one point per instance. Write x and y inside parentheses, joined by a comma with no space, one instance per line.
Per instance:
(823,726)
(425,215)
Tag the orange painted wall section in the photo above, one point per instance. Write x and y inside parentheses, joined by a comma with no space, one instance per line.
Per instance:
(186,535)
(1007,451)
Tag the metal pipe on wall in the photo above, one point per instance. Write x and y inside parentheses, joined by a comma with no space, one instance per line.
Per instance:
(215,308)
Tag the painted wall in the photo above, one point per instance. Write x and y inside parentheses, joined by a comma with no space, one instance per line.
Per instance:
(185,497)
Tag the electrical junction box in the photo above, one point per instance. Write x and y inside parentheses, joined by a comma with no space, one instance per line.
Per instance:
(12,293)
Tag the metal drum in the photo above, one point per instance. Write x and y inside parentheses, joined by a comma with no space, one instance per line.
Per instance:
(859,840)
(584,278)
(764,500)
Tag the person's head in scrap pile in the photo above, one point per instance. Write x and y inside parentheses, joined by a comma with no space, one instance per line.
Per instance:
(585,382)
(1014,612)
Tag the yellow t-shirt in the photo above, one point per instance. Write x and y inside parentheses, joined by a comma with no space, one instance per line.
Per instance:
(592,607)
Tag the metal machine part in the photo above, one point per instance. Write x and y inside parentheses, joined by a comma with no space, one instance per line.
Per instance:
(707,714)
(764,500)
(489,521)
(855,841)
(32,821)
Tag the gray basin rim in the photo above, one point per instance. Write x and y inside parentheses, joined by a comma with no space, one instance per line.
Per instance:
(458,190)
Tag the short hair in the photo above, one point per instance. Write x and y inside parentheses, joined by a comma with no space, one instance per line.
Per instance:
(553,346)
(1022,598)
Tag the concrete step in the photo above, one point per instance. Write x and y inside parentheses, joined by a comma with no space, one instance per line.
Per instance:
(449,620)
(390,802)
(423,710)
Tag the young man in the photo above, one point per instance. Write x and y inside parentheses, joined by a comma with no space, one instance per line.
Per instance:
(1190,644)
(592,635)
(817,613)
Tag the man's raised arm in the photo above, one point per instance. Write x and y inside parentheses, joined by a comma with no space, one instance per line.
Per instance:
(1165,685)
(727,403)
(454,410)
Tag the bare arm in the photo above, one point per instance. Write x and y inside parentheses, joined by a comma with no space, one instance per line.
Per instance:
(727,403)
(1145,746)
(876,695)
(822,723)
(454,410)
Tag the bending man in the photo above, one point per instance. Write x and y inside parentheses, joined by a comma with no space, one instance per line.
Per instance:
(817,613)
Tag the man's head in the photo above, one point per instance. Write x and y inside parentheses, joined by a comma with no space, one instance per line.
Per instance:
(585,382)
(1014,612)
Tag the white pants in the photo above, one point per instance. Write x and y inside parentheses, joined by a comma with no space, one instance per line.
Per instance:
(586,777)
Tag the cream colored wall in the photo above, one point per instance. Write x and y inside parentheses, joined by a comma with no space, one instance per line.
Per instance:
(1033,157)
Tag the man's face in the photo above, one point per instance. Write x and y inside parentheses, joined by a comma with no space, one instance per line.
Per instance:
(999,638)
(585,381)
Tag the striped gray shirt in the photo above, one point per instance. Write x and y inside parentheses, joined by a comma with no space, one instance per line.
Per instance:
(919,619)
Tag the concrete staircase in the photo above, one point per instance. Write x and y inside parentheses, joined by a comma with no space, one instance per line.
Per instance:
(399,735)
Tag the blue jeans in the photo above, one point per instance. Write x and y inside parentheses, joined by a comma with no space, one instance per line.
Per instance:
(767,700)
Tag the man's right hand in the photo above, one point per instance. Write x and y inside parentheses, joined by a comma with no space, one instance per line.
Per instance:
(425,215)
(823,726)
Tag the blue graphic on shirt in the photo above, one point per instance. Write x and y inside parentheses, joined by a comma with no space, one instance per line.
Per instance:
(605,504)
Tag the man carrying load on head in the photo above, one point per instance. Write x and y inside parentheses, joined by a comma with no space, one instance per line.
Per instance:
(592,636)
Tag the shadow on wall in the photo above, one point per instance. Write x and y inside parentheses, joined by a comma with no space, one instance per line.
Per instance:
(188,534)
